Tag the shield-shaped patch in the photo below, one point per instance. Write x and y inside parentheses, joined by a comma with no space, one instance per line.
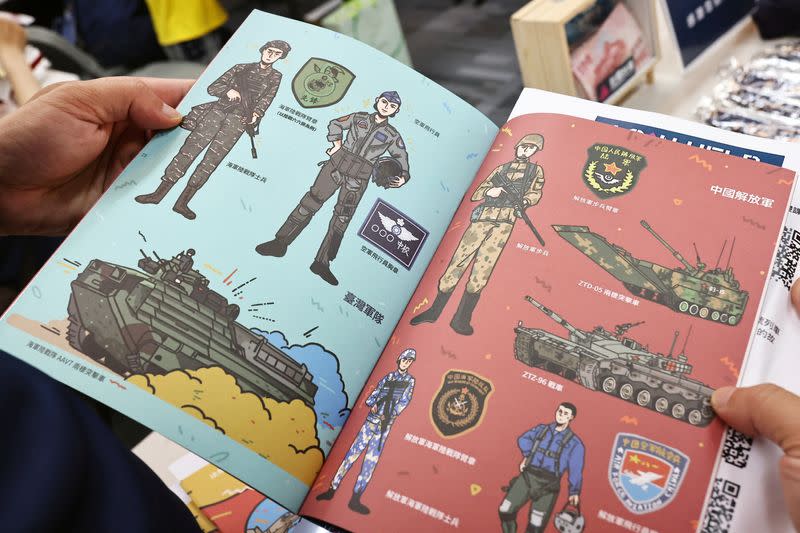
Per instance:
(321,83)
(612,170)
(645,474)
(460,403)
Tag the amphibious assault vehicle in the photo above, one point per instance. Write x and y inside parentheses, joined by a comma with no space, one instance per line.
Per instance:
(712,294)
(617,365)
(166,318)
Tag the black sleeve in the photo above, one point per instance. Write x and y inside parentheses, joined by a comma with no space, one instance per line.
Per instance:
(63,470)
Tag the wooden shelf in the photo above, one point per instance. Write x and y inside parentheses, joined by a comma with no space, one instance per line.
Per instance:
(544,56)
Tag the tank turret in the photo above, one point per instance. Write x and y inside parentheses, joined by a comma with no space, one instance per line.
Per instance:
(710,294)
(167,318)
(617,365)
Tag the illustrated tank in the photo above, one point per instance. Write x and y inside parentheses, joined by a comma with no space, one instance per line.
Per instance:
(711,294)
(617,365)
(166,318)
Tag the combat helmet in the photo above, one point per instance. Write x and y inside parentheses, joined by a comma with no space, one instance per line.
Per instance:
(532,138)
(570,519)
(384,170)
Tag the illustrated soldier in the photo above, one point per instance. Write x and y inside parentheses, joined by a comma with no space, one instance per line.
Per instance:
(506,193)
(388,399)
(244,93)
(352,162)
(548,451)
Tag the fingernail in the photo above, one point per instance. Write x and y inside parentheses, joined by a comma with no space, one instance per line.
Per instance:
(721,396)
(171,112)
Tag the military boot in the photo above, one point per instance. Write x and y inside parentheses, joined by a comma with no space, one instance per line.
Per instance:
(327,495)
(356,505)
(276,248)
(182,205)
(433,312)
(322,270)
(461,319)
(157,195)
(284,237)
(508,525)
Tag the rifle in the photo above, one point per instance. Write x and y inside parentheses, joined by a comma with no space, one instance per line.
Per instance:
(388,407)
(252,132)
(517,203)
(251,129)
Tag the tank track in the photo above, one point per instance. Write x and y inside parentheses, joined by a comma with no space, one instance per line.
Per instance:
(693,412)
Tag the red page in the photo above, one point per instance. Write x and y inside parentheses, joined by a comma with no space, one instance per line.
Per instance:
(581,394)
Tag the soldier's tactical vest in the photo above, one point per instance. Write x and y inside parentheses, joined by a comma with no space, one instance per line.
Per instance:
(554,455)
(519,188)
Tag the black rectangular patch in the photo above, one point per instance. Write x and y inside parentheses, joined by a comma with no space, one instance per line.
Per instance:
(394,232)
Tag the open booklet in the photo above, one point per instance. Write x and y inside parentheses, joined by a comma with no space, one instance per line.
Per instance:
(510,328)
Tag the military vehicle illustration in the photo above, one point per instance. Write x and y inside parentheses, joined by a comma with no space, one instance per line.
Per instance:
(617,365)
(166,318)
(711,294)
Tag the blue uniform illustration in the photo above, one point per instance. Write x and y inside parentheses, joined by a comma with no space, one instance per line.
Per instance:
(390,397)
(549,451)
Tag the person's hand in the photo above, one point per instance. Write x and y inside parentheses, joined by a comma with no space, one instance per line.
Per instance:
(374,409)
(494,192)
(64,148)
(254,119)
(233,95)
(522,465)
(774,413)
(397,181)
(575,499)
(334,148)
(12,37)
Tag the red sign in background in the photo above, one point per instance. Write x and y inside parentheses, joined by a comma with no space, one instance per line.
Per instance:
(677,195)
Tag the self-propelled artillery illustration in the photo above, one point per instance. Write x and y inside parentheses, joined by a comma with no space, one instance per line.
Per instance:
(166,318)
(711,294)
(617,365)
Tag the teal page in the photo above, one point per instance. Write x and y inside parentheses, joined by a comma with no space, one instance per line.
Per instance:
(160,305)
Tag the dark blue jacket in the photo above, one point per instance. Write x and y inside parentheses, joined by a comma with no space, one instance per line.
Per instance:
(61,468)
(571,458)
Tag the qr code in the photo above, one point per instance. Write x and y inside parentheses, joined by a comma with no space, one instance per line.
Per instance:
(787,257)
(736,448)
(721,507)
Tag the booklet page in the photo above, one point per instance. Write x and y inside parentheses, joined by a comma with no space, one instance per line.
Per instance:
(563,361)
(747,478)
(234,287)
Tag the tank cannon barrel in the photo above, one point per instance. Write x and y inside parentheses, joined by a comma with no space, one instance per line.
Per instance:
(666,245)
(556,318)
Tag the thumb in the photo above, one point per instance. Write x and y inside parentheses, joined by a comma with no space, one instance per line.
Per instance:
(110,100)
(796,295)
(774,413)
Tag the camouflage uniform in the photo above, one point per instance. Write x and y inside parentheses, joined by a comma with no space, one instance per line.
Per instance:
(491,226)
(485,237)
(348,171)
(389,398)
(392,395)
(218,126)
